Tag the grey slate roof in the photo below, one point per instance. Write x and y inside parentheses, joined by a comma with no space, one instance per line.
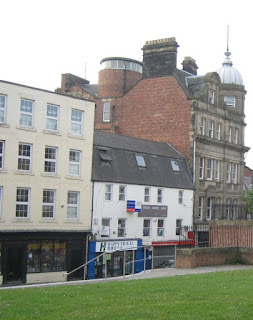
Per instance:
(114,161)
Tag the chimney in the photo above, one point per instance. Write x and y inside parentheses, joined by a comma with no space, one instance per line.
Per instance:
(189,65)
(159,57)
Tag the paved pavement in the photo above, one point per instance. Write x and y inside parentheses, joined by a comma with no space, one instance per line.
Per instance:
(156,273)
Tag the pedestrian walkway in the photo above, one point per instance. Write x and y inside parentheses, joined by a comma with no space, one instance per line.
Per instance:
(148,274)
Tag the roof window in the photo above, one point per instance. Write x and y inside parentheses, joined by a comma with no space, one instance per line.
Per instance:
(140,160)
(175,166)
(105,154)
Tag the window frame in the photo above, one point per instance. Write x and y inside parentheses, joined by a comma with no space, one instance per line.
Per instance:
(160,228)
(106,111)
(236,135)
(201,208)
(175,165)
(201,167)
(230,134)
(26,113)
(160,192)
(3,108)
(23,203)
(209,207)
(235,173)
(73,205)
(108,192)
(147,193)
(178,226)
(122,195)
(230,101)
(47,215)
(2,142)
(140,160)
(75,164)
(146,228)
(217,170)
(74,122)
(50,117)
(103,224)
(229,171)
(22,158)
(218,132)
(180,196)
(211,96)
(121,227)
(210,128)
(51,161)
(209,169)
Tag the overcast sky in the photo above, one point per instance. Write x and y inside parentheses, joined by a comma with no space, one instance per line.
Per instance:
(40,40)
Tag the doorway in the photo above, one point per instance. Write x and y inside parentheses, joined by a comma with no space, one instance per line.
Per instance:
(14,264)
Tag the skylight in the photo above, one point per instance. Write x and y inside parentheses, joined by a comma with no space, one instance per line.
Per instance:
(140,160)
(175,166)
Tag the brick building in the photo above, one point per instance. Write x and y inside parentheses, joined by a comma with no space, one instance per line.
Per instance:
(201,116)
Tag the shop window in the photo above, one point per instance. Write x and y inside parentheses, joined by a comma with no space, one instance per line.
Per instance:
(33,257)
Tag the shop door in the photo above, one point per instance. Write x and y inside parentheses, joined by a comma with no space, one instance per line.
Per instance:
(14,264)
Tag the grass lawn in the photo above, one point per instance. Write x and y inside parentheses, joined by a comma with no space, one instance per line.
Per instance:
(221,295)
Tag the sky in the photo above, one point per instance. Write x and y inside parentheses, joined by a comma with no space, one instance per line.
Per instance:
(40,40)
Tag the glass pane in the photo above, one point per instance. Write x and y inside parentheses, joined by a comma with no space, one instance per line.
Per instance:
(47,256)
(33,257)
(60,255)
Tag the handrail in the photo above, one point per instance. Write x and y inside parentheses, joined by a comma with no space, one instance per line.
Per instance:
(106,252)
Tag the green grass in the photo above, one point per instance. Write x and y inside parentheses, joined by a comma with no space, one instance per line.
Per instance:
(221,295)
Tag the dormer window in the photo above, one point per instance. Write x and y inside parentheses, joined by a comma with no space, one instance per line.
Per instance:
(230,101)
(175,166)
(211,96)
(140,160)
(105,154)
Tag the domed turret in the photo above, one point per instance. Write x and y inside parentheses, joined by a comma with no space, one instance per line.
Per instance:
(228,74)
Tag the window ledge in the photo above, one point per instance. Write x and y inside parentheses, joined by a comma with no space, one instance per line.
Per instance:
(74,177)
(72,221)
(50,175)
(48,220)
(22,220)
(76,137)
(57,133)
(3,171)
(5,125)
(26,128)
(24,173)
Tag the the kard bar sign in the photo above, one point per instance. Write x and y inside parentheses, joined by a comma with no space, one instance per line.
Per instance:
(153,211)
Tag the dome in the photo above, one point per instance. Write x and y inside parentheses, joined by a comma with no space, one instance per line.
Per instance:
(228,74)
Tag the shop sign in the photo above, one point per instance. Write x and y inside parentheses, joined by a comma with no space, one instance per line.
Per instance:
(111,246)
(153,211)
(133,206)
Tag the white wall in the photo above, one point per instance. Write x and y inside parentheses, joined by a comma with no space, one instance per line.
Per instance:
(37,180)
(134,225)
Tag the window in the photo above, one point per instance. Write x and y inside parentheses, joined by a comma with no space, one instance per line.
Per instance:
(1,192)
(146,228)
(22,203)
(218,131)
(146,194)
(209,208)
(201,208)
(108,192)
(2,108)
(229,169)
(106,111)
(52,117)
(217,170)
(121,227)
(180,196)
(140,160)
(211,96)
(203,126)
(48,207)
(160,227)
(105,230)
(74,162)
(24,157)
(201,168)
(1,154)
(73,205)
(229,134)
(210,128)
(209,169)
(236,135)
(50,160)
(175,166)
(178,226)
(122,193)
(76,122)
(26,113)
(235,170)
(230,101)
(159,195)
(229,208)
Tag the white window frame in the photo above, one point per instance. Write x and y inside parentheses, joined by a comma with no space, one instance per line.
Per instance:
(146,228)
(21,203)
(235,173)
(175,165)
(140,160)
(236,135)
(121,228)
(108,192)
(52,118)
(75,163)
(160,195)
(180,196)
(122,193)
(209,169)
(201,168)
(106,111)
(211,96)
(2,154)
(219,131)
(203,126)
(75,123)
(72,205)
(178,226)
(147,194)
(25,113)
(23,157)
(209,206)
(160,227)
(48,214)
(106,222)
(2,108)
(229,133)
(210,128)
(229,208)
(230,101)
(51,161)
(229,170)
(201,207)
(217,170)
